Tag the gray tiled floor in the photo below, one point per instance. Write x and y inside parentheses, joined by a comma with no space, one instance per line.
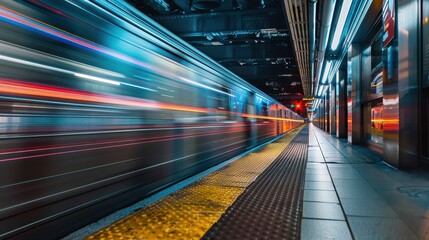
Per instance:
(320,196)
(367,207)
(380,228)
(349,193)
(360,192)
(322,210)
(314,229)
(318,177)
(317,171)
(319,186)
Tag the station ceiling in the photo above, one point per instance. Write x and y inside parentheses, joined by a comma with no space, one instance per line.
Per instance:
(252,38)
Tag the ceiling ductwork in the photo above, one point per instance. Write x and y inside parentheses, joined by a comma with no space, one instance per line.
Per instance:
(251,38)
(296,12)
(206,4)
(312,38)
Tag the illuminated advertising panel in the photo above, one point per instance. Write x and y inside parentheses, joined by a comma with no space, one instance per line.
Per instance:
(388,21)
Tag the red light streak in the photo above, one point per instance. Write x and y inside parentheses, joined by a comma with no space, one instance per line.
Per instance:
(114,146)
(32,89)
(54,147)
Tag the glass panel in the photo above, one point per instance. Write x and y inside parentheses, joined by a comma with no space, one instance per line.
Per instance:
(377,124)
(376,87)
(425,42)
(373,116)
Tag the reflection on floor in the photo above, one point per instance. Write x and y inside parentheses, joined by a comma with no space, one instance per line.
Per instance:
(349,192)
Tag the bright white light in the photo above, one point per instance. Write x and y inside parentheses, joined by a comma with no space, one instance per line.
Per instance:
(33,64)
(319,93)
(337,77)
(97,79)
(204,86)
(316,104)
(325,74)
(324,89)
(345,8)
(132,85)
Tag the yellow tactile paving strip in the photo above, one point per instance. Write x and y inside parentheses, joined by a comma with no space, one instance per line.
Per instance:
(191,211)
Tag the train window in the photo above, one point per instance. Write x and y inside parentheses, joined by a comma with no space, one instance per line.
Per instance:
(372,74)
(264,109)
(373,115)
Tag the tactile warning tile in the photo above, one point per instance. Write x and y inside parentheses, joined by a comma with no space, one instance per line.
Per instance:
(271,206)
(191,211)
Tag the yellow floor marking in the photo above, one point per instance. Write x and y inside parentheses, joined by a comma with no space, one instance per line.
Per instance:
(191,211)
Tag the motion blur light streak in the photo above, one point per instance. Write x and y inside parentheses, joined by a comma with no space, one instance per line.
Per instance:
(52,147)
(13,48)
(20,61)
(10,59)
(204,86)
(20,88)
(81,42)
(97,79)
(43,28)
(101,181)
(101,107)
(271,118)
(132,85)
(122,131)
(105,147)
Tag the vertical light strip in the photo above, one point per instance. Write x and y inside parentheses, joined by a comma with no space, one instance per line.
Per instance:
(326,72)
(345,8)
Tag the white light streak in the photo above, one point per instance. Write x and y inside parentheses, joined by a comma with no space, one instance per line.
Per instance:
(97,79)
(132,85)
(33,64)
(204,86)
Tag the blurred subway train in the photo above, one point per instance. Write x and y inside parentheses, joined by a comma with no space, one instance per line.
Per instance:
(100,107)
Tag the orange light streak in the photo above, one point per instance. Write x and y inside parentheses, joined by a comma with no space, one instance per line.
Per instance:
(270,118)
(31,89)
(38,90)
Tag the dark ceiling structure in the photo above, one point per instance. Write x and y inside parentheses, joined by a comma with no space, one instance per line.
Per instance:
(251,38)
(290,49)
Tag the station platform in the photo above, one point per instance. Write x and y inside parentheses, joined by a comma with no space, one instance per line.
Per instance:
(306,184)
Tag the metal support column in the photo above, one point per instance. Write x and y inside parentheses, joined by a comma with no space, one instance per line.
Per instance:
(354,95)
(400,89)
(341,105)
(332,106)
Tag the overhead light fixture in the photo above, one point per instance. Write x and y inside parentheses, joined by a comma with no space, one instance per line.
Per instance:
(319,93)
(324,89)
(325,74)
(216,43)
(345,8)
(268,30)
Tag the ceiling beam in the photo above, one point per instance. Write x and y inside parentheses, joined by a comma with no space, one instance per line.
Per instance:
(230,21)
(255,51)
(262,71)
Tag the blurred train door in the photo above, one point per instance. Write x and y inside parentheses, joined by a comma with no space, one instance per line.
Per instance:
(251,122)
(277,115)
